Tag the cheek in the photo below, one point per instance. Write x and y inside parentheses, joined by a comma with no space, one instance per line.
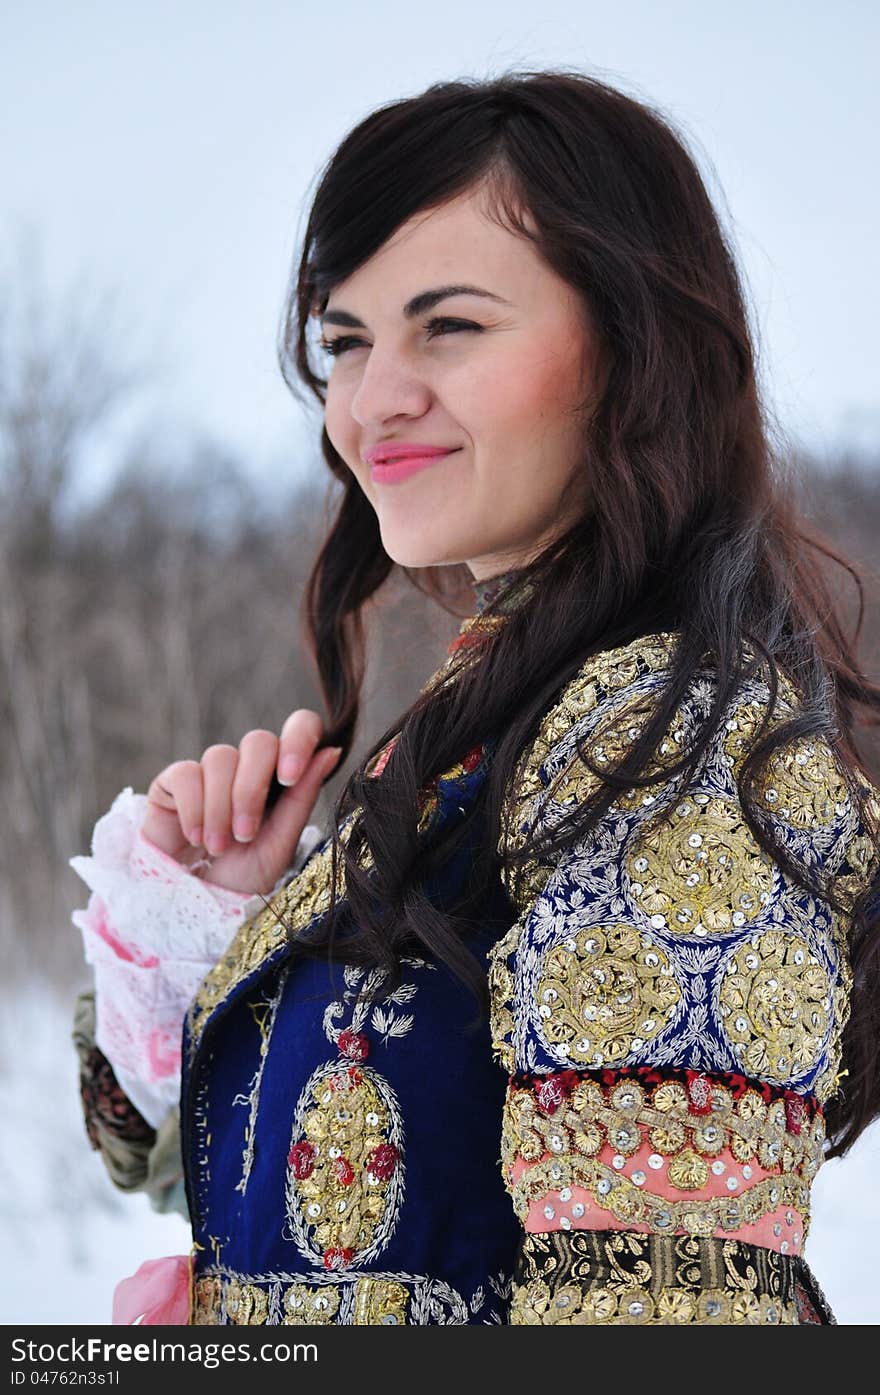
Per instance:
(338,420)
(552,389)
(523,406)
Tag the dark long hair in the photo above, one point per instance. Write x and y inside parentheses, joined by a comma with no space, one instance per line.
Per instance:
(692,523)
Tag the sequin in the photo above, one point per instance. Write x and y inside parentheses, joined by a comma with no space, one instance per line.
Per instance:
(777,1012)
(622,982)
(699,1117)
(622,1278)
(694,871)
(350,1195)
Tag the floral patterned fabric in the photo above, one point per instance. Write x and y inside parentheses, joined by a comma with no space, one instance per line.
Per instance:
(137,1156)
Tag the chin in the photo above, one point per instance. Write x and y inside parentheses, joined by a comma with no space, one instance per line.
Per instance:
(411,553)
(416,557)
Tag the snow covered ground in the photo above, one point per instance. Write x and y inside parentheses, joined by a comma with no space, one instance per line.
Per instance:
(67,1233)
(69,1236)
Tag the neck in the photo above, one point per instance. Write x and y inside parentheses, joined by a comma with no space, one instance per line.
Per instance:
(486,589)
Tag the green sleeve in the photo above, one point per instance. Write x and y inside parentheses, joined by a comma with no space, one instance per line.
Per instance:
(137,1156)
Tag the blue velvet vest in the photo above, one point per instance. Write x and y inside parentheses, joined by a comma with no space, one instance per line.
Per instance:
(342,1159)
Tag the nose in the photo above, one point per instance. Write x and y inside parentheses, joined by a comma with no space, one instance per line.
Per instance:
(388,388)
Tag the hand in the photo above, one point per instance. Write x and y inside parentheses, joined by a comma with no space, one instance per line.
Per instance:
(219,803)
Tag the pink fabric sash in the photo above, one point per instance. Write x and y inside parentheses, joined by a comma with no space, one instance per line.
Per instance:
(157,1293)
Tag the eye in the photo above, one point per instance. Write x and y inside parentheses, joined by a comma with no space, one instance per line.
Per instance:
(343,342)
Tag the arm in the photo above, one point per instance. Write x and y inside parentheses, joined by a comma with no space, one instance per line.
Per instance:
(668,1008)
(137,1156)
(152,929)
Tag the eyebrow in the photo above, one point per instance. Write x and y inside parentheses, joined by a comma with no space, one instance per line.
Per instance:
(425,300)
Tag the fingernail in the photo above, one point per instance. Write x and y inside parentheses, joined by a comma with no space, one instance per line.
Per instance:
(195,836)
(244,828)
(290,769)
(215,843)
(332,751)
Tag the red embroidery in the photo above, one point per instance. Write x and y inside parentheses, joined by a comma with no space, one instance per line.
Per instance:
(353,1044)
(345,1080)
(344,1171)
(795,1111)
(551,1090)
(382,1161)
(337,1258)
(302,1159)
(699,1093)
(383,758)
(466,640)
(473,758)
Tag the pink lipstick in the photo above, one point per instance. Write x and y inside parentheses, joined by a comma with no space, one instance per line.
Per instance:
(391,463)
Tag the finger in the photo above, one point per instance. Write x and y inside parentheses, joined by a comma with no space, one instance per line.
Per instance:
(300,735)
(257,752)
(281,831)
(219,764)
(174,807)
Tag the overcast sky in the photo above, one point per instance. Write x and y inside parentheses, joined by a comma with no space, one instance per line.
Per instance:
(166,152)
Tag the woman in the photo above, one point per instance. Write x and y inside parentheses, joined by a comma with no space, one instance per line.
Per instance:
(605,898)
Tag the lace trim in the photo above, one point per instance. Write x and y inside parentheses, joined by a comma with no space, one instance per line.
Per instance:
(152,929)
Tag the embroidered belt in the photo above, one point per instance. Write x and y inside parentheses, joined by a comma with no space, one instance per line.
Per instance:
(662,1155)
(594,1277)
(225,1297)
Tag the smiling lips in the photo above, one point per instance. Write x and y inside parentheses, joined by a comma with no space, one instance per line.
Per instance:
(397,460)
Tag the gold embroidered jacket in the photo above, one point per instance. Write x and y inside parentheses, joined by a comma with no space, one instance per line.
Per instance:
(667,1008)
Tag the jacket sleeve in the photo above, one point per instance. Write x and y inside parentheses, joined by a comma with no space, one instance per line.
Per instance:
(152,929)
(668,1007)
(137,1156)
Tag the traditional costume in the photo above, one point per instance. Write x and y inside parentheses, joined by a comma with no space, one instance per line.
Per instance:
(633,1136)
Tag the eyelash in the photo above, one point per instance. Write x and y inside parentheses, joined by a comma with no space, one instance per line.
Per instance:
(341,343)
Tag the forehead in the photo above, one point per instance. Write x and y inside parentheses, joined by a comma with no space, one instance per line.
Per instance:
(458,243)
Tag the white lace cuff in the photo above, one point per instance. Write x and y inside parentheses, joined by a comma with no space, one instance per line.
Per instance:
(152,930)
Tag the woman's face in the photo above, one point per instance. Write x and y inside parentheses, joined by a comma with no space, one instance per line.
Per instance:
(500,379)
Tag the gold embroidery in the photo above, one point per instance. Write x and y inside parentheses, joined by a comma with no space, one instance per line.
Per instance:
(624,1115)
(803,785)
(360,1300)
(292,908)
(700,872)
(535,1304)
(603,994)
(464,649)
(379,1302)
(246,1304)
(695,869)
(622,1278)
(633,1204)
(609,742)
(774,1004)
(341,1169)
(310,1306)
(687,1171)
(600,676)
(206,1296)
(863,852)
(863,857)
